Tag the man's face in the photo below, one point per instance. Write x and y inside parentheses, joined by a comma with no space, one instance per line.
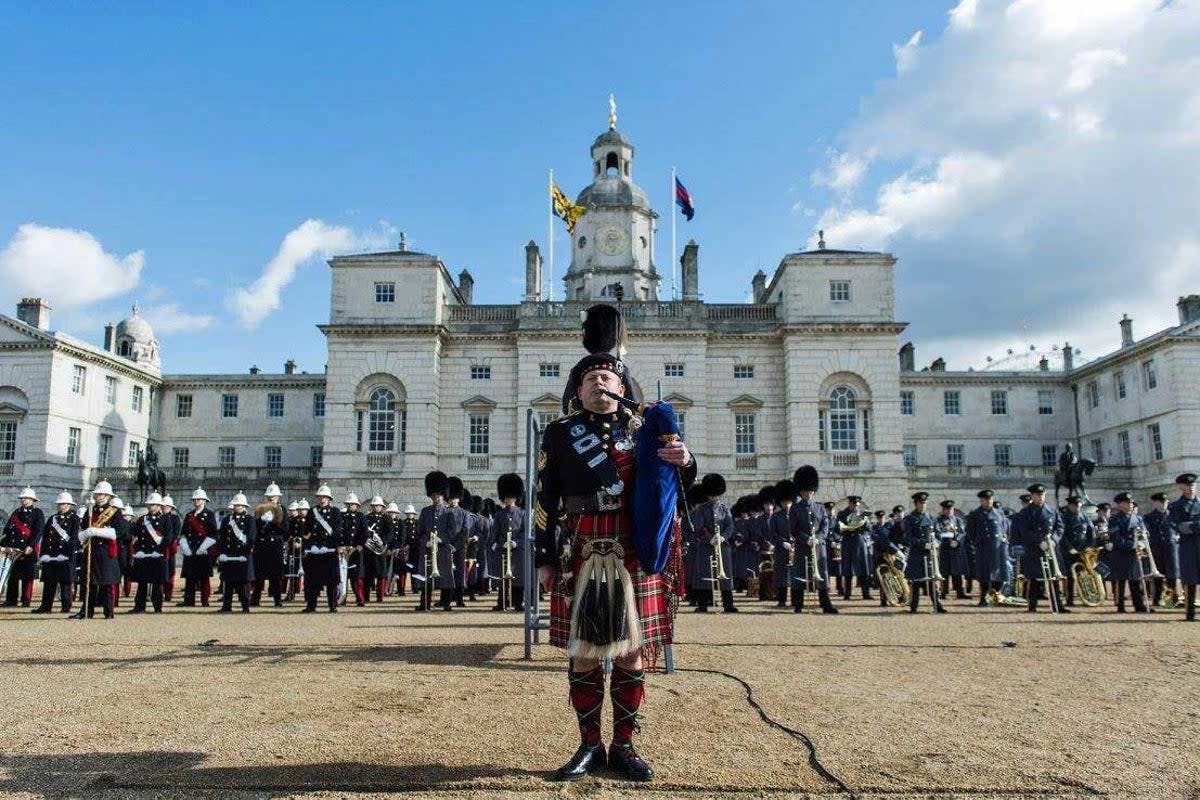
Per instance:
(1038,498)
(198,504)
(1126,506)
(26,502)
(64,508)
(1073,508)
(153,508)
(101,499)
(1103,513)
(919,505)
(1159,505)
(593,386)
(986,502)
(323,502)
(352,507)
(1188,490)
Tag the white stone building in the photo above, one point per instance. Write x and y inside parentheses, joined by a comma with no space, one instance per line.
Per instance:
(420,377)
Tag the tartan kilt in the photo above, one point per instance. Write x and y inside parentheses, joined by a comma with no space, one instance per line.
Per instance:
(657,596)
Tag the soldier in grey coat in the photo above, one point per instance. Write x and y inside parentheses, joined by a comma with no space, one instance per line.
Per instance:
(810,533)
(508,543)
(987,527)
(854,530)
(1037,528)
(1164,544)
(712,523)
(1184,514)
(919,533)
(1078,533)
(782,542)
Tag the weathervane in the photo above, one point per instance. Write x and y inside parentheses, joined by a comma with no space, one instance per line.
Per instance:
(612,112)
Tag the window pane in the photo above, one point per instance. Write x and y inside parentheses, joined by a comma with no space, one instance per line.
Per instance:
(906,403)
(951,403)
(319,404)
(385,292)
(8,441)
(183,405)
(381,422)
(110,389)
(910,455)
(1049,455)
(743,434)
(478,435)
(1002,455)
(275,404)
(225,457)
(954,455)
(180,457)
(229,405)
(999,401)
(1045,401)
(481,372)
(316,456)
(273,456)
(548,370)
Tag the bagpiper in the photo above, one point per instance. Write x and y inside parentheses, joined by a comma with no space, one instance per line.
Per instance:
(508,542)
(22,536)
(810,532)
(1184,513)
(199,536)
(103,528)
(151,534)
(921,537)
(60,543)
(322,526)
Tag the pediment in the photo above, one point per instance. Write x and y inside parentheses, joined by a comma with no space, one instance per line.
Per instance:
(10,410)
(12,330)
(678,400)
(479,403)
(745,401)
(546,399)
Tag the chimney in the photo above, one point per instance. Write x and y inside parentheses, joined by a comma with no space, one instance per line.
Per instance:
(1126,331)
(254,370)
(34,311)
(690,262)
(1068,357)
(908,355)
(466,286)
(109,342)
(289,367)
(1189,308)
(1044,365)
(938,365)
(759,285)
(533,272)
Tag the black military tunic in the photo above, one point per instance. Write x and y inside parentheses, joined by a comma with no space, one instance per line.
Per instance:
(235,545)
(322,537)
(105,556)
(375,565)
(24,530)
(60,544)
(151,541)
(199,534)
(268,542)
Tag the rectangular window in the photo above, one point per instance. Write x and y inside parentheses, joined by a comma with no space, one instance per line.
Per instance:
(78,379)
(548,370)
(910,455)
(135,452)
(8,441)
(839,291)
(385,292)
(1126,450)
(866,423)
(226,459)
(1156,448)
(180,457)
(682,417)
(1002,455)
(673,369)
(316,457)
(273,456)
(110,389)
(478,434)
(741,371)
(183,406)
(822,440)
(906,403)
(105,456)
(1149,374)
(1098,451)
(1093,390)
(229,405)
(138,396)
(951,403)
(1119,384)
(275,404)
(481,372)
(999,401)
(319,404)
(544,418)
(1045,401)
(73,435)
(954,455)
(744,443)
(1049,455)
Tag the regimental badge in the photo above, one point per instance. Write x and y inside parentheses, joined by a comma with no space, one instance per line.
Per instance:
(578,430)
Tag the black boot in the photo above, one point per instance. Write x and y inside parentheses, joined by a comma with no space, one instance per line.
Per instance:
(826,603)
(727,601)
(458,598)
(587,759)
(797,600)
(625,760)
(1190,593)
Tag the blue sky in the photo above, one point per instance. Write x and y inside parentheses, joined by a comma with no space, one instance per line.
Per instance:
(200,135)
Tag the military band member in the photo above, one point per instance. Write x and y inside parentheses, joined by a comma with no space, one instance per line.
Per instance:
(1037,528)
(1184,514)
(353,534)
(784,546)
(1078,533)
(322,538)
(1123,556)
(586,481)
(711,519)
(431,551)
(854,531)
(235,545)
(175,526)
(270,539)
(1100,526)
(920,533)
(377,548)
(150,535)
(102,530)
(952,552)
(199,534)
(23,535)
(455,530)
(882,545)
(406,543)
(60,543)
(833,548)
(763,547)
(988,527)
(478,527)
(297,526)
(508,543)
(1164,544)
(740,541)
(810,532)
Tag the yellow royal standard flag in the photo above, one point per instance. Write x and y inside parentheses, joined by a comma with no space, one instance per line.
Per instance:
(564,209)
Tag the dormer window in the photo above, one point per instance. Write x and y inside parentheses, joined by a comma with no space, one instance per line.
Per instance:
(124,351)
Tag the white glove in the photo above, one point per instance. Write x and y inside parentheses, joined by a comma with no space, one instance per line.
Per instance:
(139,554)
(44,559)
(1108,546)
(221,559)
(84,535)
(812,541)
(185,548)
(1073,552)
(953,543)
(268,516)
(789,546)
(1044,545)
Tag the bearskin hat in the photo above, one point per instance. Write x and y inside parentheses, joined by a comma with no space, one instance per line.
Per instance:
(489,506)
(436,483)
(604,330)
(454,488)
(785,490)
(510,484)
(713,484)
(476,504)
(807,479)
(767,495)
(696,495)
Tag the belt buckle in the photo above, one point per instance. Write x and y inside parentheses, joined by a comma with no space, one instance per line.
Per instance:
(608,502)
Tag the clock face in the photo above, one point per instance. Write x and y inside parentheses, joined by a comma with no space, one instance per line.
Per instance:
(611,241)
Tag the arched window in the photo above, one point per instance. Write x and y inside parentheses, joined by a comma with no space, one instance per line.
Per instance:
(843,419)
(381,421)
(612,164)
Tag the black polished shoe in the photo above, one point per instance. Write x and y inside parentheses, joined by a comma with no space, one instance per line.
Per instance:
(939,608)
(730,610)
(587,758)
(829,610)
(622,758)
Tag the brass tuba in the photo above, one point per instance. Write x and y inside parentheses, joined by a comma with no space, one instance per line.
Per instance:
(374,542)
(1088,582)
(892,582)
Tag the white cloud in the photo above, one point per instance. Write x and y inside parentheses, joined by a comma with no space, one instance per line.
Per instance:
(67,267)
(843,173)
(906,54)
(1034,170)
(311,239)
(170,318)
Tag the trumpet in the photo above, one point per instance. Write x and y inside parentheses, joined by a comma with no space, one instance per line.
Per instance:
(933,569)
(812,562)
(1051,572)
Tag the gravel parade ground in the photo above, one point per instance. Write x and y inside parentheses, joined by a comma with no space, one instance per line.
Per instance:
(379,700)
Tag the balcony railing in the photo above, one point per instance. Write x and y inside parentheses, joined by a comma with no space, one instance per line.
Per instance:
(179,479)
(745,462)
(748,312)
(483,313)
(8,469)
(478,463)
(379,460)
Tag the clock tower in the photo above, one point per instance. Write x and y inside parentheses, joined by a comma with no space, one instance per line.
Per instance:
(613,244)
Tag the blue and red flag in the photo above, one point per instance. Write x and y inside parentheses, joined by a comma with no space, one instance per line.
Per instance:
(684,200)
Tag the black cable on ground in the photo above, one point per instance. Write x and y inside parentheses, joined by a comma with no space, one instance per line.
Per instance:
(814,760)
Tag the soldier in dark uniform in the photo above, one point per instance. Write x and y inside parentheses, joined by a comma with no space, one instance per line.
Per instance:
(103,528)
(378,535)
(987,526)
(742,542)
(854,531)
(23,534)
(174,528)
(508,543)
(1123,556)
(151,541)
(586,480)
(479,526)
(1100,526)
(456,529)
(322,538)
(297,526)
(921,536)
(833,548)
(763,548)
(406,544)
(1037,528)
(433,558)
(352,534)
(952,553)
(235,544)
(270,539)
(784,546)
(60,543)
(881,545)
(1164,544)
(710,519)
(1184,516)
(199,534)
(1078,533)
(810,532)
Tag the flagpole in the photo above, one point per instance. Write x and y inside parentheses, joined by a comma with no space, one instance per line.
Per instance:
(550,225)
(674,286)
